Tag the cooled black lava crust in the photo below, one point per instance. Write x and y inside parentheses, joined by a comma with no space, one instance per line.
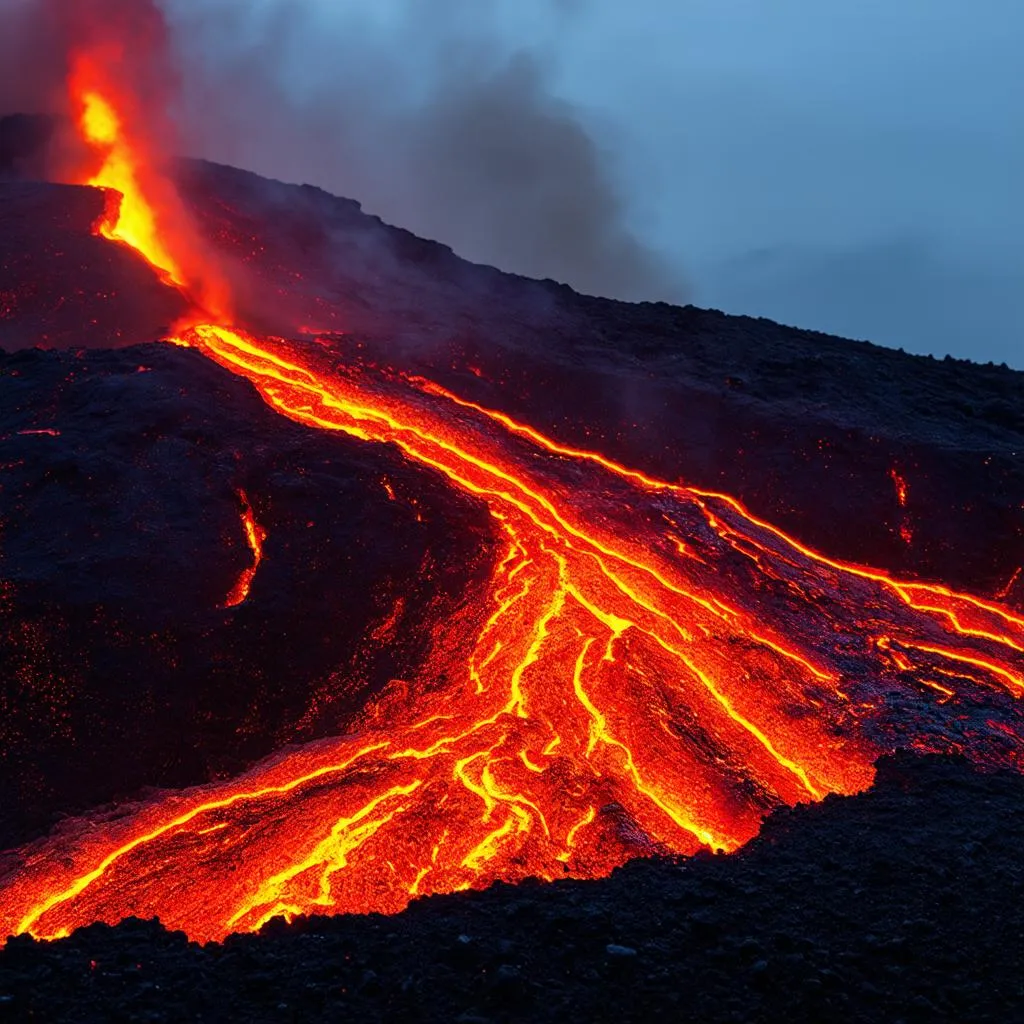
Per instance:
(121,538)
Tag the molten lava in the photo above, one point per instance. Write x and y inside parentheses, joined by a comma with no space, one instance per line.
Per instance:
(653,670)
(900,483)
(135,223)
(148,214)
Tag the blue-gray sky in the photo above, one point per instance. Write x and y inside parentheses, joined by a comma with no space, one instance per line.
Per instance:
(850,165)
(853,166)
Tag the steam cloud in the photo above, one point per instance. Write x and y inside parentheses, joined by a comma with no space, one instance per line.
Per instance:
(422,115)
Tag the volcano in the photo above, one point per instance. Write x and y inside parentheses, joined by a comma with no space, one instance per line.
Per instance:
(339,572)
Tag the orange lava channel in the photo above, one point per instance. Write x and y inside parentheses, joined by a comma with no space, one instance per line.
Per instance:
(149,215)
(648,669)
(135,224)
(255,535)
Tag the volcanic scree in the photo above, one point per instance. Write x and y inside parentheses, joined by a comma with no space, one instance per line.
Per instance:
(653,668)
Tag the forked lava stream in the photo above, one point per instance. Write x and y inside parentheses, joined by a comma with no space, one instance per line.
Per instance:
(652,668)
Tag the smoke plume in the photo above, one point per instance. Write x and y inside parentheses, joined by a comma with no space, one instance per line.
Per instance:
(420,111)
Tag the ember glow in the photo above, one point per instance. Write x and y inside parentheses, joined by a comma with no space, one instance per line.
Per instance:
(653,669)
(1004,592)
(900,483)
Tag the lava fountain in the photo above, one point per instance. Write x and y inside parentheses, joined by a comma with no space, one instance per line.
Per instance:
(652,671)
(124,138)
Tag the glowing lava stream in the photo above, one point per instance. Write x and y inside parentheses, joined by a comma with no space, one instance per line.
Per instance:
(651,668)
(616,696)
(135,223)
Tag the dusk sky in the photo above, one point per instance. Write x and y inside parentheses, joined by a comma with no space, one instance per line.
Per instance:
(854,167)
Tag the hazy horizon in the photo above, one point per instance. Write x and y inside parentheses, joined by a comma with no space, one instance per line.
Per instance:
(852,168)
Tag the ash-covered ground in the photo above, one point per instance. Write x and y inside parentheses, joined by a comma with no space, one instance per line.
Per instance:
(121,535)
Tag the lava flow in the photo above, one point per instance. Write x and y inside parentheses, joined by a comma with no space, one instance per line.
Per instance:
(653,670)
(145,211)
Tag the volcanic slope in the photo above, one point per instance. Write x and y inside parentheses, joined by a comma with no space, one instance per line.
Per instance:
(806,429)
(135,485)
(809,431)
(828,763)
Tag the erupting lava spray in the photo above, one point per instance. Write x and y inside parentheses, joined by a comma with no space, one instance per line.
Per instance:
(652,670)
(119,80)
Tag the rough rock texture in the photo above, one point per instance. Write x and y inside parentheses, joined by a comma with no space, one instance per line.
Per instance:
(121,538)
(62,285)
(903,904)
(765,412)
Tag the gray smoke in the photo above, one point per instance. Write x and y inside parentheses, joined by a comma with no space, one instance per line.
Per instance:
(428,120)
(31,59)
(422,114)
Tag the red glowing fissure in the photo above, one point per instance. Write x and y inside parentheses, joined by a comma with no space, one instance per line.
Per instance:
(255,535)
(652,669)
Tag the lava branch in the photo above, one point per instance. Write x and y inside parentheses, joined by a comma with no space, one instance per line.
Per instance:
(584,646)
(488,479)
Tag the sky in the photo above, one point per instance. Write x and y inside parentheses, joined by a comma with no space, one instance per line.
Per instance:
(853,166)
(856,167)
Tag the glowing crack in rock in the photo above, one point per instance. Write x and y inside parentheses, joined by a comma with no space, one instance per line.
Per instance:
(255,535)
